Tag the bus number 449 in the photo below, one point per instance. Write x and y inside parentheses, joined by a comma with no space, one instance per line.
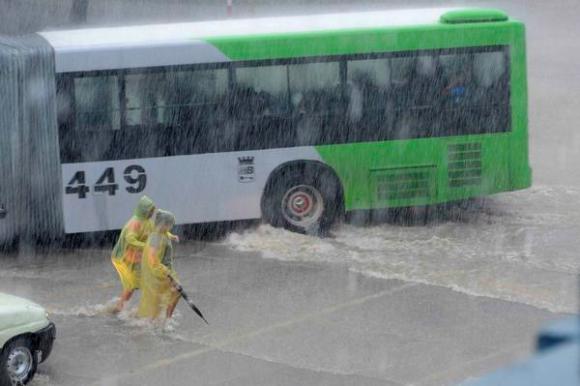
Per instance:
(134,176)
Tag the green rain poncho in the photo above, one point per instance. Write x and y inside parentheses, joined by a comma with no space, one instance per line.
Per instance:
(157,265)
(127,253)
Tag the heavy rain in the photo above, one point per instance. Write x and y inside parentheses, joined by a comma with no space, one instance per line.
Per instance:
(431,288)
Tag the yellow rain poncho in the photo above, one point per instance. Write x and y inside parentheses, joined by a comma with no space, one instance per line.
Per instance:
(157,292)
(127,253)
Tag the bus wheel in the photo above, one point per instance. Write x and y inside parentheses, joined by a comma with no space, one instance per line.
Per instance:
(303,202)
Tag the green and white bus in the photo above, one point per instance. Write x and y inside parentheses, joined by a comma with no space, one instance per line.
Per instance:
(289,119)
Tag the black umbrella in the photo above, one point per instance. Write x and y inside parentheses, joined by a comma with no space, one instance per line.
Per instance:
(179,289)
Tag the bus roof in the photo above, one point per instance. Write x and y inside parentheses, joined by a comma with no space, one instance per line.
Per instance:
(187,43)
(175,32)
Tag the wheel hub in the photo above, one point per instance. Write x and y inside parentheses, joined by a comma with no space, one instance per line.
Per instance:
(302,206)
(19,363)
(301,203)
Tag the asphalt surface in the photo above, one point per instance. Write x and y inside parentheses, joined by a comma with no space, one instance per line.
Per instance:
(384,304)
(271,323)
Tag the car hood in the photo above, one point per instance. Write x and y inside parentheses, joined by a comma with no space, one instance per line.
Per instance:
(16,311)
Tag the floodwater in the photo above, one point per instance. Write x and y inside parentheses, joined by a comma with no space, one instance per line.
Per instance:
(496,249)
(381,303)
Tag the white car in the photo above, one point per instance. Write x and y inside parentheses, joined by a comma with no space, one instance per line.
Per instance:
(26,338)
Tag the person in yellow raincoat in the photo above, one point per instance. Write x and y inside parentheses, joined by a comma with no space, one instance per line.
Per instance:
(126,256)
(158,292)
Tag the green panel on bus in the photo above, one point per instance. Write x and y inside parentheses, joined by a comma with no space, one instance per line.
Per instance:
(388,39)
(474,15)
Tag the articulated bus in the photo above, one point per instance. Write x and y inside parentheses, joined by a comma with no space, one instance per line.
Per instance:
(291,119)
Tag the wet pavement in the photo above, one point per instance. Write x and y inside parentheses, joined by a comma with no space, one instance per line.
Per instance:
(382,304)
(271,323)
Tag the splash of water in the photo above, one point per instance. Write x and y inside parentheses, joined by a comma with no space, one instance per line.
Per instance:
(502,250)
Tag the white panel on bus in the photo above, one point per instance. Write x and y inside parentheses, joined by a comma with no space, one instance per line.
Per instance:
(74,59)
(197,188)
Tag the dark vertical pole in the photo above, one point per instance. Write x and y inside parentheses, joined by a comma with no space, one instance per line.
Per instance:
(78,11)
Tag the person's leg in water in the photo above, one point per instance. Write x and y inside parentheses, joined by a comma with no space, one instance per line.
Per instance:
(125,297)
(172,304)
(129,273)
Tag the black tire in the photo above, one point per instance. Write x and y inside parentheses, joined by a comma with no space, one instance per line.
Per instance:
(16,351)
(321,195)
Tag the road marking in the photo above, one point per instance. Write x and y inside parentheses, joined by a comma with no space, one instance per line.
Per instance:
(116,379)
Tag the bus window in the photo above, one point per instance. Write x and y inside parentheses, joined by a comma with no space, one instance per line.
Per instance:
(457,110)
(378,71)
(402,70)
(457,75)
(426,65)
(192,96)
(401,98)
(146,99)
(366,76)
(269,86)
(89,115)
(423,94)
(97,103)
(491,92)
(260,106)
(426,84)
(175,109)
(368,82)
(65,102)
(488,67)
(316,95)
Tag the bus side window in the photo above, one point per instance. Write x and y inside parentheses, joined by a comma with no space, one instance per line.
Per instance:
(70,149)
(401,96)
(199,109)
(425,92)
(269,85)
(457,97)
(491,91)
(318,111)
(260,106)
(458,76)
(176,110)
(96,100)
(192,110)
(88,113)
(368,83)
(425,82)
(146,99)
(65,102)
(488,67)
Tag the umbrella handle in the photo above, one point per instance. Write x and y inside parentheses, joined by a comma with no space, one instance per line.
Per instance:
(177,286)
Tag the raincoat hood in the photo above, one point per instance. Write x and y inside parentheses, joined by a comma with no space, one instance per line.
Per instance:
(143,207)
(164,217)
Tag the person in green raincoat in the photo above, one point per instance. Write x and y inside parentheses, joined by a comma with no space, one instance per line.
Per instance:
(158,292)
(126,256)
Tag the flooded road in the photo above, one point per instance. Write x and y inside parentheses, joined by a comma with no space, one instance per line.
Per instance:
(272,322)
(497,248)
(379,304)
